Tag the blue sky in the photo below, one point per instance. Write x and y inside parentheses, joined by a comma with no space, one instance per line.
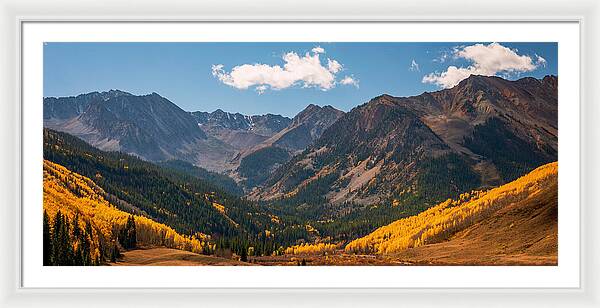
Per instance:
(207,76)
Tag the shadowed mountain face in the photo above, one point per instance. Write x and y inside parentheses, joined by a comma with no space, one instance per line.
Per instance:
(264,142)
(485,131)
(240,131)
(258,162)
(306,127)
(147,126)
(65,108)
(265,125)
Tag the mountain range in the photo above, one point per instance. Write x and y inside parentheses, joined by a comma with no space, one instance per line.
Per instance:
(442,177)
(148,126)
(481,133)
(484,132)
(238,130)
(258,162)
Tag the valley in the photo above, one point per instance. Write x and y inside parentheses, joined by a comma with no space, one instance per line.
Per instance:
(461,176)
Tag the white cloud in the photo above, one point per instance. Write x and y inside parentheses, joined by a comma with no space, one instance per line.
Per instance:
(333,66)
(451,77)
(349,80)
(488,60)
(261,89)
(318,49)
(305,71)
(414,66)
(539,61)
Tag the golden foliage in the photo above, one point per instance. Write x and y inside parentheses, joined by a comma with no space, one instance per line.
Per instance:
(310,248)
(72,193)
(440,222)
(219,207)
(274,219)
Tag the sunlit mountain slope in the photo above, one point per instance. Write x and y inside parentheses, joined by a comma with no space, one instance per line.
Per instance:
(516,221)
(75,195)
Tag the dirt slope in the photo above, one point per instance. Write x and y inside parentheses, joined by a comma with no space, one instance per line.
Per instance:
(523,233)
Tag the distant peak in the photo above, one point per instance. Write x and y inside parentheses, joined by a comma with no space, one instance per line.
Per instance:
(112,93)
(106,95)
(478,82)
(313,111)
(383,98)
(117,91)
(473,78)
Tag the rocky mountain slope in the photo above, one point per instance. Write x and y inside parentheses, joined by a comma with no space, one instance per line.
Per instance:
(258,162)
(306,127)
(148,126)
(483,132)
(238,130)
(153,128)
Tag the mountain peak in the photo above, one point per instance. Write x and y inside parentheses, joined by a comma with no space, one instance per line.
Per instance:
(479,80)
(384,99)
(116,92)
(312,107)
(263,125)
(315,112)
(154,94)
(383,96)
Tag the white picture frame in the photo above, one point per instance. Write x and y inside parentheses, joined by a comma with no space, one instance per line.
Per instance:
(14,294)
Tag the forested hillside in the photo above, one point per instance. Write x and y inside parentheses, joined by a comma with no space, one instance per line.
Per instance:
(220,181)
(443,221)
(176,198)
(82,228)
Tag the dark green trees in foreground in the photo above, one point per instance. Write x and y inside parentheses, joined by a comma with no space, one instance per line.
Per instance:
(66,243)
(127,236)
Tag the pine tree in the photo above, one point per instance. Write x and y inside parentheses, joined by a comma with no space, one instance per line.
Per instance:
(77,253)
(127,235)
(62,251)
(132,234)
(244,255)
(85,246)
(47,238)
(114,253)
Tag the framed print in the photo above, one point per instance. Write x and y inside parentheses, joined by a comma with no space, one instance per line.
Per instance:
(303,156)
(259,169)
